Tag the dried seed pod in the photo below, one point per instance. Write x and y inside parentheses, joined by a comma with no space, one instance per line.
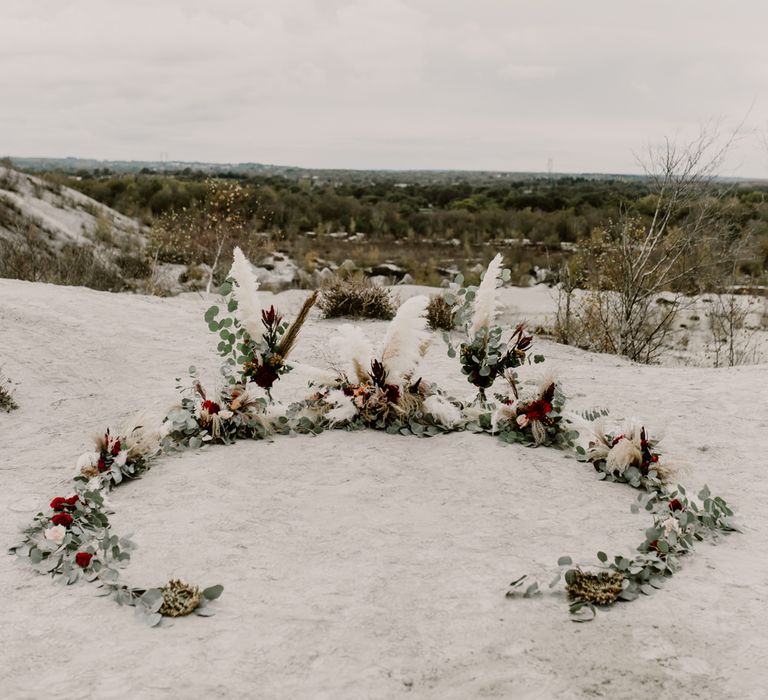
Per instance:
(601,589)
(179,599)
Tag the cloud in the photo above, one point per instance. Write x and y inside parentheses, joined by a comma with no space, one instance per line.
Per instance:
(364,83)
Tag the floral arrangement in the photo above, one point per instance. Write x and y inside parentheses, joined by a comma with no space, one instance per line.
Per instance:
(629,456)
(381,390)
(256,340)
(72,539)
(678,523)
(534,421)
(483,355)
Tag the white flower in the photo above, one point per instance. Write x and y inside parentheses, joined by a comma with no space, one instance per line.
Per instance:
(522,420)
(94,483)
(56,534)
(87,460)
(670,525)
(121,459)
(225,414)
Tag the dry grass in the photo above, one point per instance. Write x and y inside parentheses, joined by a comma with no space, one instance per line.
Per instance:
(7,402)
(356,297)
(440,314)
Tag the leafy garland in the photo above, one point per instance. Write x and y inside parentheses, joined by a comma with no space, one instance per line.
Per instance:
(73,539)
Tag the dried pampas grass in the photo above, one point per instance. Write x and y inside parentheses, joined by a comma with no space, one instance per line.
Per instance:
(486,298)
(246,293)
(354,350)
(407,340)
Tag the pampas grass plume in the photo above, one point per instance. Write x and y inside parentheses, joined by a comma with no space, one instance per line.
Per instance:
(406,340)
(486,298)
(248,306)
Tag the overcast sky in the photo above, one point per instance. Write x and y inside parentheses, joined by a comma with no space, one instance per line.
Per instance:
(470,84)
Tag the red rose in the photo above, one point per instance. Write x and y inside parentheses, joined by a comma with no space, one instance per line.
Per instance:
(59,503)
(102,465)
(211,406)
(64,519)
(654,458)
(72,500)
(83,559)
(116,448)
(675,504)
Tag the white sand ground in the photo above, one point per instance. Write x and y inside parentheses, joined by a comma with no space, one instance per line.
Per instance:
(362,565)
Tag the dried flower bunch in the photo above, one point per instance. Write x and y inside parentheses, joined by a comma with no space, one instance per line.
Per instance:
(381,389)
(537,420)
(483,355)
(255,339)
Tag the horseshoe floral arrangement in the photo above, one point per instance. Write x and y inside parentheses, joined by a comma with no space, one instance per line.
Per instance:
(369,388)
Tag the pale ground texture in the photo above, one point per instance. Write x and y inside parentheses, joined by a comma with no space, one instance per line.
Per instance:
(362,565)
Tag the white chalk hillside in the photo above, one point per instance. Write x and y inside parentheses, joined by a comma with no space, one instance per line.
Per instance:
(62,214)
(364,564)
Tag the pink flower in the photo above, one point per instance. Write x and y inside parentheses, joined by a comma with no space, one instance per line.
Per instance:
(522,420)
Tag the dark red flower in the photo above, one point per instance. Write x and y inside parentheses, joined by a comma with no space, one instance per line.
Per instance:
(59,503)
(83,559)
(538,410)
(654,458)
(211,406)
(264,376)
(392,392)
(64,519)
(116,448)
(348,390)
(675,504)
(101,465)
(654,545)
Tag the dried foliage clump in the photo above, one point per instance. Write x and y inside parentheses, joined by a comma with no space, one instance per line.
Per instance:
(7,402)
(600,589)
(440,314)
(179,599)
(357,297)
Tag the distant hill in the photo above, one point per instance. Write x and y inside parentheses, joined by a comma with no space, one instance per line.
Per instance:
(73,165)
(49,232)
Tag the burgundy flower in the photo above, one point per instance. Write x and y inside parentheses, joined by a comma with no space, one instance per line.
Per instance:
(83,559)
(392,392)
(101,465)
(675,504)
(116,448)
(264,376)
(211,406)
(538,410)
(64,519)
(59,503)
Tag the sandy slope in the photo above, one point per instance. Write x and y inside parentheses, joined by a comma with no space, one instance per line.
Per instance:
(364,565)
